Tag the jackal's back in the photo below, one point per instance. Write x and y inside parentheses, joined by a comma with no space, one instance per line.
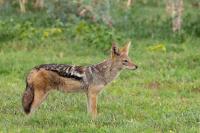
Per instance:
(67,71)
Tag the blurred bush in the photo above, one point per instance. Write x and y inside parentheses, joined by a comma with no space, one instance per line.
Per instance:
(102,22)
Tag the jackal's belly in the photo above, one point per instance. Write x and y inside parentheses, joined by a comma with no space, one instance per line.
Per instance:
(70,85)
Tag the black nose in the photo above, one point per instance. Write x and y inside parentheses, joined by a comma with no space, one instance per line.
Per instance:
(136,67)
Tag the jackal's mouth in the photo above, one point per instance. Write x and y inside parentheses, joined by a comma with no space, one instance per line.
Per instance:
(136,67)
(133,68)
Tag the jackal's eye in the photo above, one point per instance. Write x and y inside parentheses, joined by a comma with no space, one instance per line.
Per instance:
(125,61)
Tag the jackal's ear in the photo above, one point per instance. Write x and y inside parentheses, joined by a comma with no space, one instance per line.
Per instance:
(125,49)
(115,50)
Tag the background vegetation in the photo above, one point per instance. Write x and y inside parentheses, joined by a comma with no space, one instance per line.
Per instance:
(161,96)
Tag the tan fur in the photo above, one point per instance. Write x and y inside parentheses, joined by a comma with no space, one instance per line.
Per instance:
(41,80)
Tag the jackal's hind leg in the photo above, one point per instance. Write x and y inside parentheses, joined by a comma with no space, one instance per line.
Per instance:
(39,97)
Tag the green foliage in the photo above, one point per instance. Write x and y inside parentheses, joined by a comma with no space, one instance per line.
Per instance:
(62,9)
(191,24)
(150,21)
(95,35)
(101,38)
(28,29)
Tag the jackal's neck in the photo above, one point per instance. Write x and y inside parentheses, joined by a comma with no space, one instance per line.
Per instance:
(108,70)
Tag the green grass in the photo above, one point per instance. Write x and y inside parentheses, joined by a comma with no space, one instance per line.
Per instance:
(161,96)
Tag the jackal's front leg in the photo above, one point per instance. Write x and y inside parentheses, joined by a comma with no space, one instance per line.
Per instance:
(92,104)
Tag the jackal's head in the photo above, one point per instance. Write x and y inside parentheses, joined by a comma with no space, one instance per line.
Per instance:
(120,57)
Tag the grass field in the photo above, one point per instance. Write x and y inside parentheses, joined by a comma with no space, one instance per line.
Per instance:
(163,95)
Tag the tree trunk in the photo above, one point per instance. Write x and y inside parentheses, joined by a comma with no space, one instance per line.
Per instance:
(1,2)
(174,8)
(39,4)
(22,5)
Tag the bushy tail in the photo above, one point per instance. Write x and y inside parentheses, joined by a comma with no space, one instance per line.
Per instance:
(27,98)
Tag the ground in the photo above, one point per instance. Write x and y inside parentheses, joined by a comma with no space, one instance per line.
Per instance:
(162,95)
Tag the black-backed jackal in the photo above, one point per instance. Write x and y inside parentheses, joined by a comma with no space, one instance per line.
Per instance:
(68,78)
